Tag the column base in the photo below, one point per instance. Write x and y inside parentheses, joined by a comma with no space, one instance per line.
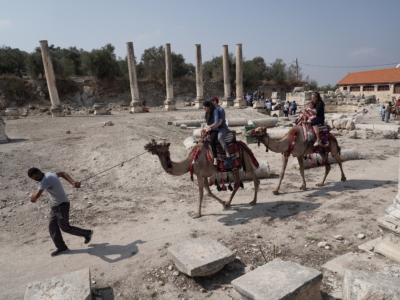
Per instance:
(99,109)
(239,102)
(57,111)
(170,105)
(136,107)
(4,139)
(198,103)
(390,245)
(226,102)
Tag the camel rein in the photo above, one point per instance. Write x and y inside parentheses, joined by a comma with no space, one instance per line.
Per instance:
(120,164)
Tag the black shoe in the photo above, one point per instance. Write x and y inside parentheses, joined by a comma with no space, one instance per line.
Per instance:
(89,237)
(59,251)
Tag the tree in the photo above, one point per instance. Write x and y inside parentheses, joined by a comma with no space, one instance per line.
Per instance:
(12,60)
(152,65)
(277,71)
(214,68)
(101,63)
(34,64)
(255,69)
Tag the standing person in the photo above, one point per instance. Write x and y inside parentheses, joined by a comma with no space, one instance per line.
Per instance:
(383,110)
(268,106)
(59,215)
(294,108)
(218,130)
(286,109)
(248,98)
(387,112)
(320,115)
(378,101)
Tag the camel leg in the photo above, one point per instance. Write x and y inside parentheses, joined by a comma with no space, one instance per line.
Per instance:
(336,156)
(301,167)
(210,194)
(256,185)
(327,168)
(201,194)
(235,187)
(282,174)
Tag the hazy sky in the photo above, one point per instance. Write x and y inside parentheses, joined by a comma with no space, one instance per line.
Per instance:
(325,33)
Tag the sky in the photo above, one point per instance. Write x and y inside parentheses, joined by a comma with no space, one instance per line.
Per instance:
(322,33)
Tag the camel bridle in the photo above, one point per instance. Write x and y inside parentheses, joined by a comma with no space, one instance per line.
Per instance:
(165,153)
(259,137)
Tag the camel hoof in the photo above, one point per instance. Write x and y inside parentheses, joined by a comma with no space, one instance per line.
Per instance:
(254,202)
(196,216)
(303,188)
(275,192)
(319,184)
(227,204)
(343,179)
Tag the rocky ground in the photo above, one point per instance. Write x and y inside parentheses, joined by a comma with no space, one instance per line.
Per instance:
(137,210)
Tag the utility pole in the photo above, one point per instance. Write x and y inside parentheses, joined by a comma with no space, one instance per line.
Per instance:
(297,69)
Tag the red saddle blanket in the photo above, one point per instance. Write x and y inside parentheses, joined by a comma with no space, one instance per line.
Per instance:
(233,148)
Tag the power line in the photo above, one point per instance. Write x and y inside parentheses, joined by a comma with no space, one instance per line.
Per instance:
(346,66)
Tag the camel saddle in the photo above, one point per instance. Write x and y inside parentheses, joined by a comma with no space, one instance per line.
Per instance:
(310,137)
(233,149)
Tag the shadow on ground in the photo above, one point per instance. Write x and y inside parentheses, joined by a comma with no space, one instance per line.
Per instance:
(111,253)
(352,184)
(276,209)
(14,141)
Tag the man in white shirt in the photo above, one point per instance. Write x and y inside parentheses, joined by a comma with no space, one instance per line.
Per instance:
(268,107)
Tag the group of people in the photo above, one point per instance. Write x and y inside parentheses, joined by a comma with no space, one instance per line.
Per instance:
(217,128)
(287,108)
(250,98)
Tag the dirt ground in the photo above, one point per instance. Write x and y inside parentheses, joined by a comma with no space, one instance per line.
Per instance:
(137,210)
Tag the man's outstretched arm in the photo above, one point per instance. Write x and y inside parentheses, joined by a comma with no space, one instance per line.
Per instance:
(68,178)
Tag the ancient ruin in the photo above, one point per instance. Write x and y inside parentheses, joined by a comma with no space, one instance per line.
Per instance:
(198,102)
(239,101)
(227,99)
(135,103)
(56,108)
(170,103)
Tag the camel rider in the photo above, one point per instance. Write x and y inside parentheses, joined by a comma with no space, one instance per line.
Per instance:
(221,129)
(319,115)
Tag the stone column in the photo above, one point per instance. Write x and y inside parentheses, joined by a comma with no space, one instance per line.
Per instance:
(390,225)
(169,103)
(56,108)
(3,137)
(226,100)
(239,101)
(135,103)
(199,78)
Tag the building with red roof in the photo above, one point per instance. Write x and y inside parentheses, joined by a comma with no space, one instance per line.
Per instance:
(383,83)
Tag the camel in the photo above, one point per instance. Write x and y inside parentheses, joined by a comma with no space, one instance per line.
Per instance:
(300,149)
(395,111)
(203,169)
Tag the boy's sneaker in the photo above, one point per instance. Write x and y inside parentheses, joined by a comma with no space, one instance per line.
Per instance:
(89,237)
(228,161)
(59,251)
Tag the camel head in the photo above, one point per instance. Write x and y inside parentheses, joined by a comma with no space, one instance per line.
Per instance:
(258,132)
(161,148)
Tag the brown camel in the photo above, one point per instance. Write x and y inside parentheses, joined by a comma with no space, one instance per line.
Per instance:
(300,149)
(203,169)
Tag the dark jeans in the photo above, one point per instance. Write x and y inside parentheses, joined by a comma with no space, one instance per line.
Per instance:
(293,112)
(286,113)
(59,219)
(213,142)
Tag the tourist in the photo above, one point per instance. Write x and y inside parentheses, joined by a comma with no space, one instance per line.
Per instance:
(319,115)
(59,215)
(294,108)
(248,98)
(383,110)
(268,107)
(218,130)
(308,114)
(286,109)
(144,107)
(387,112)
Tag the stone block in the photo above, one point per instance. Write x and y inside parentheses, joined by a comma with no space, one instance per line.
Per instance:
(74,285)
(390,134)
(200,257)
(280,280)
(237,122)
(358,285)
(266,122)
(345,155)
(191,123)
(390,244)
(190,142)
